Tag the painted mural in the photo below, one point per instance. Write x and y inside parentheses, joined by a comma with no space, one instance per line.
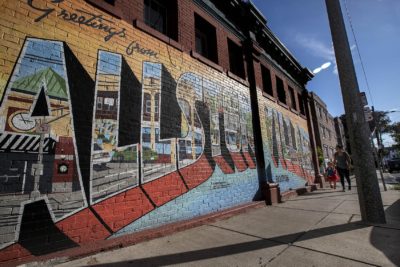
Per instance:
(93,147)
(286,150)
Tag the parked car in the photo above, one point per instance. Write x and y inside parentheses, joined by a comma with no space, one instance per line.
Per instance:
(394,164)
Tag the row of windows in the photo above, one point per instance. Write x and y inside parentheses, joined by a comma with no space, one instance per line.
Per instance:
(323,114)
(329,152)
(161,15)
(267,88)
(326,132)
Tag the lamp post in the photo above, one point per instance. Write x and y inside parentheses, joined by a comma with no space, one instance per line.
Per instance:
(369,196)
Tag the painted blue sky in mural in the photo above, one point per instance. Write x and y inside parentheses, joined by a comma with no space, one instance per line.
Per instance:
(109,63)
(40,55)
(152,70)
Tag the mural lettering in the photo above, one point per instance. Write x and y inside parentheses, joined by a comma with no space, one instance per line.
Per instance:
(94,21)
(287,149)
(86,157)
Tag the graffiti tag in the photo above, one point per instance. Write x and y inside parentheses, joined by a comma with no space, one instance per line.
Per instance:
(282,178)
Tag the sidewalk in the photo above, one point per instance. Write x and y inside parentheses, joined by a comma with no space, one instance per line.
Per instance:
(321,228)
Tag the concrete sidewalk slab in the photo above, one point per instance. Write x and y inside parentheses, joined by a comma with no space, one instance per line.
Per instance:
(312,258)
(274,223)
(373,245)
(321,228)
(202,246)
(348,206)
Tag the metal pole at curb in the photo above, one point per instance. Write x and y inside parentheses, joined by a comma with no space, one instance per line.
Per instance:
(368,188)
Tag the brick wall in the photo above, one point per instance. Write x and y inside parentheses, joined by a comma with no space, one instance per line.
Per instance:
(108,130)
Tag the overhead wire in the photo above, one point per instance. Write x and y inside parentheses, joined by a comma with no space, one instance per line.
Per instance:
(358,51)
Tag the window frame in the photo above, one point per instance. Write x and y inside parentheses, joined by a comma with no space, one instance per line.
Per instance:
(206,32)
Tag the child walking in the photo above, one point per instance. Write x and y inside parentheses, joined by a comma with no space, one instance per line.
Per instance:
(331,175)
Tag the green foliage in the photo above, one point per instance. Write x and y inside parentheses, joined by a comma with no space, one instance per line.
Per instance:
(149,154)
(320,155)
(124,156)
(382,121)
(394,131)
(396,187)
(381,124)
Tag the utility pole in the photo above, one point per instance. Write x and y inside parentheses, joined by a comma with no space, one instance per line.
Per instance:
(368,188)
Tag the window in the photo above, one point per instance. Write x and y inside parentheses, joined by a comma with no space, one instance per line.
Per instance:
(323,132)
(302,107)
(329,134)
(266,80)
(111,2)
(292,98)
(161,15)
(99,103)
(236,64)
(320,112)
(146,134)
(326,151)
(281,90)
(206,39)
(156,106)
(146,106)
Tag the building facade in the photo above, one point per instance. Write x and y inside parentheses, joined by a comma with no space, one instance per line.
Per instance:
(119,116)
(340,134)
(324,128)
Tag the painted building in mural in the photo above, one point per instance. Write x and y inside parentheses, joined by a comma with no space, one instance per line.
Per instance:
(108,129)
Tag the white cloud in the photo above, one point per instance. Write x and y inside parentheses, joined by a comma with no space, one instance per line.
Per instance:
(319,49)
(322,67)
(326,65)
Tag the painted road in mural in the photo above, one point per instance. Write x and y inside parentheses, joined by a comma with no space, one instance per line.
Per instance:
(83,159)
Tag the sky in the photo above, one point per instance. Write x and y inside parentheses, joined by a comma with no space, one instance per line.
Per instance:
(303,27)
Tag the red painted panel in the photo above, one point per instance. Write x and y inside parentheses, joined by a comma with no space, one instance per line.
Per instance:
(223,165)
(249,160)
(83,227)
(122,209)
(13,252)
(197,173)
(165,188)
(239,161)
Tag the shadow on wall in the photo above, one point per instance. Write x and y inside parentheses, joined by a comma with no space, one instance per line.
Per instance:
(38,233)
(224,148)
(78,78)
(204,114)
(388,240)
(170,126)
(130,107)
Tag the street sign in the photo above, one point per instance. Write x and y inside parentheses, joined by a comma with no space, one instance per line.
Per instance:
(368,114)
(364,100)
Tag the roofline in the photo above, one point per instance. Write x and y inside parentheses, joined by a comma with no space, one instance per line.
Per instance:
(263,21)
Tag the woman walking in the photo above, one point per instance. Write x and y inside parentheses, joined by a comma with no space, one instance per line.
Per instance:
(342,163)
